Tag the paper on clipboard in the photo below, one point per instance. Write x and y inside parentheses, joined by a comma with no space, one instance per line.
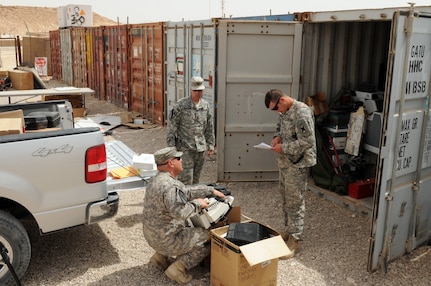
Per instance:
(262,146)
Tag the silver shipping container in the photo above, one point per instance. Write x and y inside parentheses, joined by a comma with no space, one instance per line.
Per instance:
(327,52)
(190,50)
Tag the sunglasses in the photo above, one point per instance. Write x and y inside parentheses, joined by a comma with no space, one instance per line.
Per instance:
(275,108)
(175,158)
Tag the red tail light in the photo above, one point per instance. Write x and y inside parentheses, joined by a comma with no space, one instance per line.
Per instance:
(95,164)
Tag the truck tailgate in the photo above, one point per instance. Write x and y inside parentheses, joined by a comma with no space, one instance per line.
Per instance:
(120,155)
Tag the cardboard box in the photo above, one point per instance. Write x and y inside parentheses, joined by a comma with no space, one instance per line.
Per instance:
(10,126)
(318,103)
(79,112)
(77,100)
(15,114)
(362,188)
(21,80)
(251,264)
(144,164)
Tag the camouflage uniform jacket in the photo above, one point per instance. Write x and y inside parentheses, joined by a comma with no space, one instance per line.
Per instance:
(191,126)
(168,204)
(296,130)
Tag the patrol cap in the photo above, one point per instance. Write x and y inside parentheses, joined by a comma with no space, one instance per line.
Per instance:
(163,155)
(197,83)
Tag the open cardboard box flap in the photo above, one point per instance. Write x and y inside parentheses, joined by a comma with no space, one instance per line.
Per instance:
(263,250)
(259,251)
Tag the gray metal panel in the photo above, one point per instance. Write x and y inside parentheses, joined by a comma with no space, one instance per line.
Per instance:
(401,216)
(254,57)
(190,51)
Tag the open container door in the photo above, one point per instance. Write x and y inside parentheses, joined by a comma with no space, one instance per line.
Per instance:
(253,57)
(402,207)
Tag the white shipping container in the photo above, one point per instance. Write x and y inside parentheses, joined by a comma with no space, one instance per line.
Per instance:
(75,15)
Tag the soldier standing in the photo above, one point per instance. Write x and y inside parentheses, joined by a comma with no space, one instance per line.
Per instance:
(168,204)
(191,131)
(295,143)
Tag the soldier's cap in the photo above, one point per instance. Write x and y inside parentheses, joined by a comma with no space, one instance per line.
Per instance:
(162,156)
(197,83)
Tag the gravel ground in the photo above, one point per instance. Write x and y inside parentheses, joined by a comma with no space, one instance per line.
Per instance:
(114,252)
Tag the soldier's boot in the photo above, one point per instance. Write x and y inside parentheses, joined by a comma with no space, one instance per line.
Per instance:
(293,246)
(177,272)
(160,261)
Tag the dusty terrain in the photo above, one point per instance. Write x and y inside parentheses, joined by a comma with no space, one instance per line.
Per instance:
(24,20)
(114,252)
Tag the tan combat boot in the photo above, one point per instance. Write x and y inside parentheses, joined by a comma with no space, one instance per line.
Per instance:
(160,261)
(293,246)
(177,272)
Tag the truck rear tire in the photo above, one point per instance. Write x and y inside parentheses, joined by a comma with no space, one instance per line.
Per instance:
(17,242)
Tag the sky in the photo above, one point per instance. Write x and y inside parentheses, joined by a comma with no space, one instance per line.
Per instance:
(144,11)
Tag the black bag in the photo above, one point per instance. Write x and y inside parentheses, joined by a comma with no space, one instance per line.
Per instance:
(323,172)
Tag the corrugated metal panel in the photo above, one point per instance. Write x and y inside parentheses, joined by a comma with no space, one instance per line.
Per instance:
(147,71)
(54,40)
(345,49)
(355,15)
(117,66)
(95,61)
(343,54)
(190,51)
(79,57)
(98,51)
(66,56)
(89,58)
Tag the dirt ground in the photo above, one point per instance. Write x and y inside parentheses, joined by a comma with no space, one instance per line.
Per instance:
(114,252)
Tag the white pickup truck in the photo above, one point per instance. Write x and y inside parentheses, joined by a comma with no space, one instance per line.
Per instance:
(53,180)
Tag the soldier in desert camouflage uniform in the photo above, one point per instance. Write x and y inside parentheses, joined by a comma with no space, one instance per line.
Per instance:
(295,143)
(191,131)
(168,204)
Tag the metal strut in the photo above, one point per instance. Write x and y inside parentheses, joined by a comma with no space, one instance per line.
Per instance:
(5,258)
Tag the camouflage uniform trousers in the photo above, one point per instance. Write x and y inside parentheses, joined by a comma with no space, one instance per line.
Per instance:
(193,162)
(293,184)
(190,246)
(193,253)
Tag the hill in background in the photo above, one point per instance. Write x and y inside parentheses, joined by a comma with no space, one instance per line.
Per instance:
(26,21)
